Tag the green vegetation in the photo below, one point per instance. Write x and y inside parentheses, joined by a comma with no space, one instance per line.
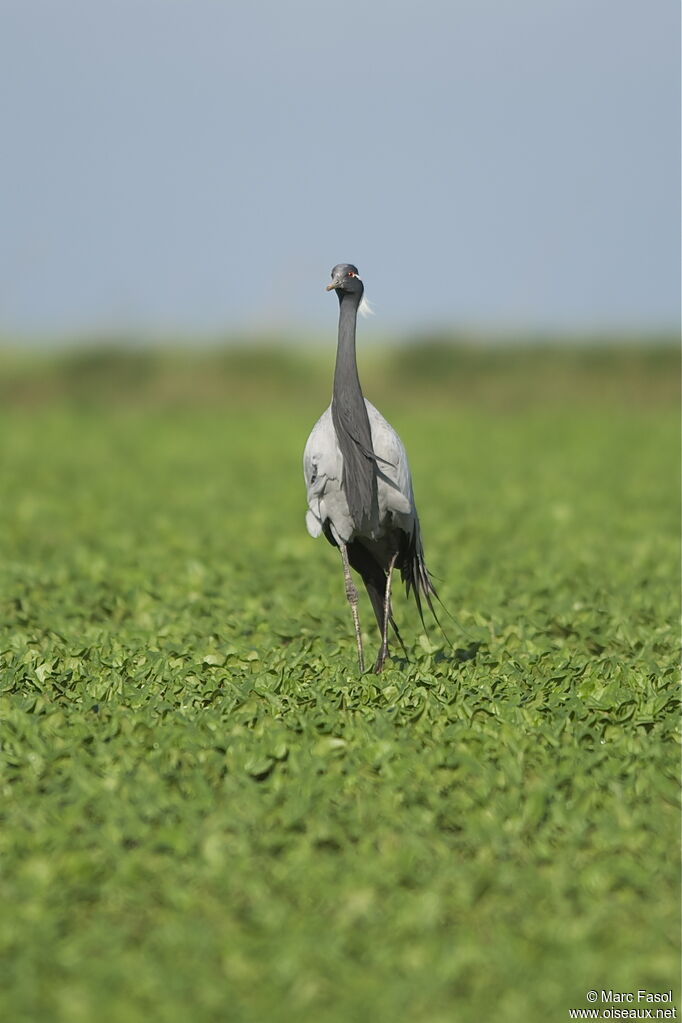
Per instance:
(207,815)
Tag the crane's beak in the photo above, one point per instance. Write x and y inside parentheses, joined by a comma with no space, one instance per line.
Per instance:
(333,286)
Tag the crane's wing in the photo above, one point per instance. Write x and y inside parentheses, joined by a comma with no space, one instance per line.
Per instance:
(323,470)
(397,497)
(393,472)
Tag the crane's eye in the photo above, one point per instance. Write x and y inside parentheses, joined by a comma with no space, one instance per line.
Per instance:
(351,274)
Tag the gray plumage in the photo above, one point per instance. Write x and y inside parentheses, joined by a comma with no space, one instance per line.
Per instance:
(359,485)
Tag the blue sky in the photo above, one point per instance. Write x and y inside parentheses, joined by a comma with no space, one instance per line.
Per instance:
(200,166)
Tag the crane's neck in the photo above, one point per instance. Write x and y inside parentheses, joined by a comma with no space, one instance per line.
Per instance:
(346,379)
(351,425)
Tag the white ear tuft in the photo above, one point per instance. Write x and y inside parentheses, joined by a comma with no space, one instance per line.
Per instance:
(365,308)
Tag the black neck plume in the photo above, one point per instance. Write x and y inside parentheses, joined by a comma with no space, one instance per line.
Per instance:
(351,422)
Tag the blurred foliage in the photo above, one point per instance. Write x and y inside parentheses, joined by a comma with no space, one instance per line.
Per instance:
(207,815)
(432,369)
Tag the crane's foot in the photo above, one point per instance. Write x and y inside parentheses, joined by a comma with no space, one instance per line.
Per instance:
(352,595)
(361,659)
(352,598)
(381,660)
(383,649)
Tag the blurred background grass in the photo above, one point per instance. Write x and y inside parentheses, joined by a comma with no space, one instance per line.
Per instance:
(490,372)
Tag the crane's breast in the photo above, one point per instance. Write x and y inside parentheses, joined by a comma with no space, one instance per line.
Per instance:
(323,471)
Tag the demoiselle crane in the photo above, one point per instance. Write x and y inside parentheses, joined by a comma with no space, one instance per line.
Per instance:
(359,485)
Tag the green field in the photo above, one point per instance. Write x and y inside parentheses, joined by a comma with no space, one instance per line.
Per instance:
(207,815)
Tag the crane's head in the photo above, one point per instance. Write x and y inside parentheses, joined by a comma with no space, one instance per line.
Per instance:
(345,279)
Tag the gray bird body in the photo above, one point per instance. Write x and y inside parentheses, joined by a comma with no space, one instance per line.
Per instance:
(327,500)
(358,483)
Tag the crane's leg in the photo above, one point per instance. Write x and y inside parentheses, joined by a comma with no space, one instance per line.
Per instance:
(383,651)
(352,597)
